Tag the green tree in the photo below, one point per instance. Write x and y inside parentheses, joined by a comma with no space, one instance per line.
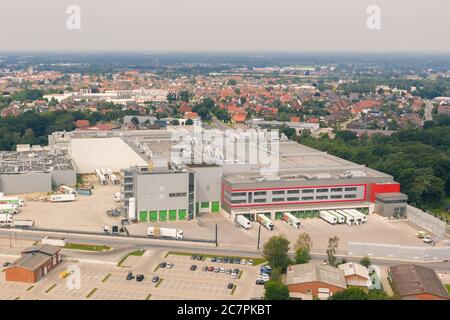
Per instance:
(189,122)
(365,262)
(276,251)
(275,290)
(333,243)
(135,121)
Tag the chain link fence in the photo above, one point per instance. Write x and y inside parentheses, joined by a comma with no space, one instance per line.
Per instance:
(427,221)
(397,252)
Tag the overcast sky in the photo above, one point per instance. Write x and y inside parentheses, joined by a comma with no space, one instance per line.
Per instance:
(225,25)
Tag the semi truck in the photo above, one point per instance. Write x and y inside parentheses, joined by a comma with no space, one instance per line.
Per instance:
(165,232)
(8,208)
(113,178)
(291,220)
(62,197)
(243,221)
(349,219)
(359,214)
(14,200)
(6,218)
(104,172)
(265,222)
(328,217)
(340,218)
(100,176)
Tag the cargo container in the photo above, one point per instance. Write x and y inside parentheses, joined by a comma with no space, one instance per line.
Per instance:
(243,221)
(291,220)
(165,232)
(84,191)
(328,217)
(62,197)
(265,222)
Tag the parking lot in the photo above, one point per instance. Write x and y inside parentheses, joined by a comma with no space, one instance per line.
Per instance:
(108,282)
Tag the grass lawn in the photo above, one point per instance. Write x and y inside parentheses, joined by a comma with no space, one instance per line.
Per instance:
(137,253)
(256,261)
(448,287)
(86,247)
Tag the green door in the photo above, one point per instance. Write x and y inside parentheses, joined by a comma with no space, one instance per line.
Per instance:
(197,206)
(163,215)
(182,214)
(278,215)
(205,205)
(215,206)
(143,216)
(172,215)
(153,215)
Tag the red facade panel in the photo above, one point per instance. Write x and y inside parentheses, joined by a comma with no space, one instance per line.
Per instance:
(383,188)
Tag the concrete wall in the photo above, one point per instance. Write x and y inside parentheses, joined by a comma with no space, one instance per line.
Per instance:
(91,153)
(25,183)
(152,191)
(208,186)
(66,177)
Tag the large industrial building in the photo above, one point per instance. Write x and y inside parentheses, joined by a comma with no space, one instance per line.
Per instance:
(175,175)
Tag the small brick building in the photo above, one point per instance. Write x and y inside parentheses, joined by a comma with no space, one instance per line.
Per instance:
(315,279)
(34,264)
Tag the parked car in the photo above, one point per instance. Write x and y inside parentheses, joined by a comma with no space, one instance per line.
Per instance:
(155,279)
(225,260)
(216,269)
(229,271)
(427,239)
(237,261)
(234,275)
(205,268)
(236,271)
(162,265)
(230,286)
(219,260)
(243,261)
(260,282)
(129,276)
(250,262)
(231,260)
(210,269)
(6,264)
(421,234)
(199,258)
(193,267)
(222,270)
(214,259)
(140,277)
(193,257)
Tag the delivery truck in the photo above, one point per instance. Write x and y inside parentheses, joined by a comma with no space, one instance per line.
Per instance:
(62,197)
(8,208)
(291,220)
(265,222)
(6,218)
(243,221)
(165,232)
(14,200)
(328,217)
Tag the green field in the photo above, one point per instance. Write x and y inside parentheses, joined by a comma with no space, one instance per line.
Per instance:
(134,253)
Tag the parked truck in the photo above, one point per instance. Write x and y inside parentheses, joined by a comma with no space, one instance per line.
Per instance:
(291,220)
(100,176)
(62,197)
(165,232)
(265,222)
(328,217)
(349,219)
(113,178)
(340,218)
(23,224)
(6,218)
(14,200)
(243,221)
(8,208)
(359,214)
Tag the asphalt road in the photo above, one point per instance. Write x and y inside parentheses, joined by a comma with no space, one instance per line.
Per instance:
(122,244)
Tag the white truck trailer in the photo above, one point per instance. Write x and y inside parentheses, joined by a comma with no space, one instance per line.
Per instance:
(165,232)
(243,221)
(100,176)
(328,217)
(6,218)
(62,197)
(340,217)
(291,220)
(349,219)
(23,224)
(104,172)
(113,178)
(265,222)
(360,214)
(356,217)
(8,208)
(14,200)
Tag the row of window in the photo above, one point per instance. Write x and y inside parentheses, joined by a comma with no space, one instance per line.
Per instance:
(177,195)
(295,191)
(289,199)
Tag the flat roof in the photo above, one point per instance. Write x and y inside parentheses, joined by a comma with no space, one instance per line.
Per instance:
(311,272)
(12,162)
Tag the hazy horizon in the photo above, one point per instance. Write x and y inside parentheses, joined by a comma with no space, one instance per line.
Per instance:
(204,26)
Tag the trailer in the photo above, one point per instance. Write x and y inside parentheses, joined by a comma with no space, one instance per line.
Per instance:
(165,232)
(356,217)
(359,214)
(349,219)
(6,218)
(62,197)
(265,222)
(243,221)
(14,200)
(100,176)
(104,172)
(109,172)
(291,220)
(113,178)
(23,224)
(8,208)
(340,218)
(328,217)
